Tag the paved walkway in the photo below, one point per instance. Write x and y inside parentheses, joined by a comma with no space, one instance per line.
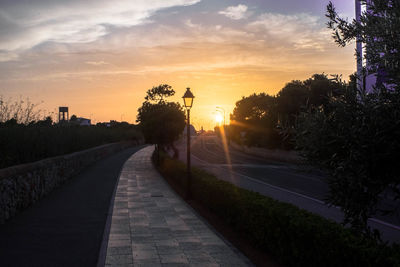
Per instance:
(152,226)
(66,227)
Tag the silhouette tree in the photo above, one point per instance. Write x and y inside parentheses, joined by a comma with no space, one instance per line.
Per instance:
(47,122)
(161,122)
(73,118)
(269,121)
(23,111)
(290,100)
(158,93)
(256,116)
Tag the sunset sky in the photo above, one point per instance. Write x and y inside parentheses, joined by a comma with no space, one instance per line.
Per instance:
(99,57)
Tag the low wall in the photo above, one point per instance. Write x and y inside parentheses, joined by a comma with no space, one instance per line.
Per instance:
(22,185)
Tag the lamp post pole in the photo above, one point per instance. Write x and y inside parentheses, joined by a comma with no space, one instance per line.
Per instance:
(189,178)
(188,102)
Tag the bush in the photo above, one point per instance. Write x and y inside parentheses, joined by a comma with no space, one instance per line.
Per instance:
(27,143)
(296,237)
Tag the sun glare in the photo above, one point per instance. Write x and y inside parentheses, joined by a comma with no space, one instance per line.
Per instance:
(218,118)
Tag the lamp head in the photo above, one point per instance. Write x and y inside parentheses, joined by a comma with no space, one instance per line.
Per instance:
(188,98)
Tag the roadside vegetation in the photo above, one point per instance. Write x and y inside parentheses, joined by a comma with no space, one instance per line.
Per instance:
(356,136)
(293,236)
(358,140)
(161,122)
(26,135)
(337,126)
(263,120)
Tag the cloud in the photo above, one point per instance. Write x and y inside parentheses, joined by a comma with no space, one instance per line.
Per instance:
(235,12)
(7,56)
(298,31)
(97,63)
(190,24)
(175,43)
(271,40)
(25,24)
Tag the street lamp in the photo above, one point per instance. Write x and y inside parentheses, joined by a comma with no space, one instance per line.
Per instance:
(188,102)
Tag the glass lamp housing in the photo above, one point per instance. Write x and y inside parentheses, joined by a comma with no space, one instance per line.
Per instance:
(188,98)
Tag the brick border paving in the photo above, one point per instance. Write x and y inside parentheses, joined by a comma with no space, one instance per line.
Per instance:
(152,226)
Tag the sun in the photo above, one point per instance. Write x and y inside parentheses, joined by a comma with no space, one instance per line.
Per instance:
(218,118)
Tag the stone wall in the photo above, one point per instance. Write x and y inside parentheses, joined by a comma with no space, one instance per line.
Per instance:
(22,185)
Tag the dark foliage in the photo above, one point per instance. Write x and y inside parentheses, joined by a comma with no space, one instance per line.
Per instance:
(19,111)
(158,93)
(296,237)
(269,121)
(161,122)
(254,120)
(21,143)
(358,140)
(357,136)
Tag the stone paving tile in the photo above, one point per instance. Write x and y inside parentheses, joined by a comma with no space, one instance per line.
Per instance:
(174,258)
(168,250)
(147,263)
(119,259)
(119,250)
(152,226)
(167,242)
(119,237)
(145,254)
(121,265)
(141,246)
(204,264)
(175,265)
(119,243)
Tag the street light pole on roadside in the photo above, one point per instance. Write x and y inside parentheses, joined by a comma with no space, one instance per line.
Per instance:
(188,102)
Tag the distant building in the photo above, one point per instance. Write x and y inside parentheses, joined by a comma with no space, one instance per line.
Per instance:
(83,121)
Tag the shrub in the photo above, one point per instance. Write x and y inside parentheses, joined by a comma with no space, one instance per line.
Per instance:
(295,236)
(26,143)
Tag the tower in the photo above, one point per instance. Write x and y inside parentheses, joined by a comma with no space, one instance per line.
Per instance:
(63,114)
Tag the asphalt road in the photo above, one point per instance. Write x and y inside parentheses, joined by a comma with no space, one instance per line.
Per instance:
(66,227)
(300,179)
(303,186)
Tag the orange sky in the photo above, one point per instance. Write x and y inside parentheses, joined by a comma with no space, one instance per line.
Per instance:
(223,52)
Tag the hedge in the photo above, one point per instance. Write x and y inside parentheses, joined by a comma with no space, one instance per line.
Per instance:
(21,144)
(294,236)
